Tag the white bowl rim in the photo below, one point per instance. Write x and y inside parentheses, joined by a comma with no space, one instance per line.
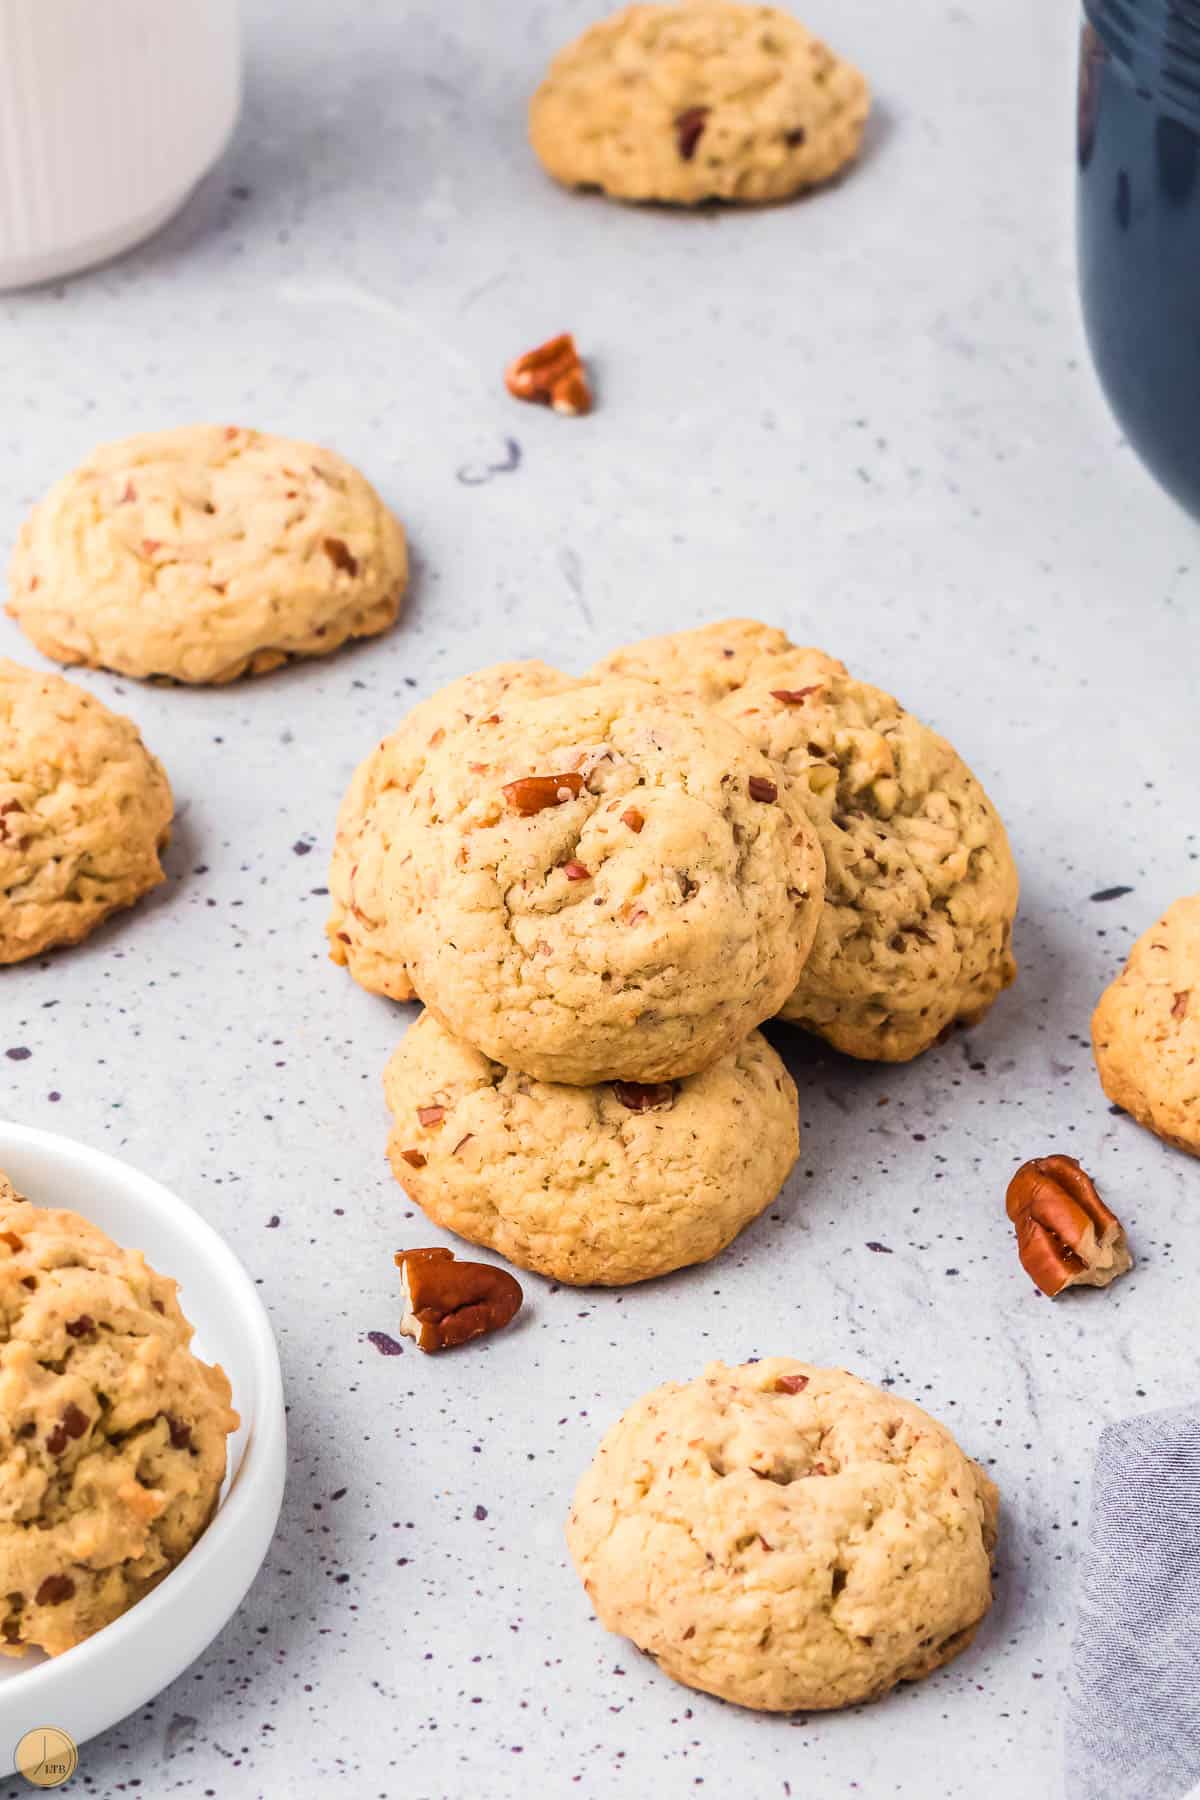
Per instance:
(263,1454)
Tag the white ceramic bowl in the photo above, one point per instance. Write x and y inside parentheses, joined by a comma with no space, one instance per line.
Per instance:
(110,112)
(100,1681)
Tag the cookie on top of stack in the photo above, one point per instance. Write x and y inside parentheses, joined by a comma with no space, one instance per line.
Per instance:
(599,888)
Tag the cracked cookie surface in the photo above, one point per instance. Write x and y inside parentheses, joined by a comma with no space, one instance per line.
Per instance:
(1146,1029)
(205,553)
(921,887)
(112,1432)
(708,663)
(84,812)
(606,885)
(367,904)
(589,1185)
(705,100)
(784,1536)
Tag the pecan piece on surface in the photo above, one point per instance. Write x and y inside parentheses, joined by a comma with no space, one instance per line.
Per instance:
(447,1303)
(641,1096)
(1066,1236)
(689,129)
(533,793)
(552,375)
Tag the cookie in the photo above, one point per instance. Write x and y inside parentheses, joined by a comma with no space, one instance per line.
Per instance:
(84,812)
(706,100)
(606,885)
(365,912)
(112,1433)
(784,1536)
(206,553)
(600,1185)
(706,664)
(921,887)
(1146,1029)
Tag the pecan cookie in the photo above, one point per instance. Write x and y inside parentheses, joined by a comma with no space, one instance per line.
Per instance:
(603,1185)
(1146,1029)
(706,664)
(112,1433)
(205,553)
(704,100)
(920,884)
(784,1536)
(921,889)
(605,885)
(84,812)
(365,910)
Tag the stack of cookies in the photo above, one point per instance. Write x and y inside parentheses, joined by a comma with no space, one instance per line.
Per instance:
(601,887)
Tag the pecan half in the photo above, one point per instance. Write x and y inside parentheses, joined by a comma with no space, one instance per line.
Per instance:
(1066,1236)
(552,375)
(533,793)
(689,129)
(447,1303)
(641,1096)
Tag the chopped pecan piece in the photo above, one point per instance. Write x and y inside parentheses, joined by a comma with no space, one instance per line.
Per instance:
(633,818)
(640,1096)
(794,696)
(14,1242)
(447,1303)
(533,793)
(413,1158)
(340,555)
(80,1327)
(689,129)
(431,1115)
(552,375)
(791,1384)
(54,1590)
(1179,1004)
(762,789)
(1066,1236)
(576,871)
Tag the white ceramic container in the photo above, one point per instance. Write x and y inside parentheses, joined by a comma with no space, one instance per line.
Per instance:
(110,112)
(90,1687)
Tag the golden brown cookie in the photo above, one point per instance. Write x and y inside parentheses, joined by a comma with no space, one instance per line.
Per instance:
(366,910)
(704,100)
(112,1433)
(920,883)
(607,1184)
(605,885)
(784,1536)
(921,888)
(84,812)
(1146,1029)
(204,553)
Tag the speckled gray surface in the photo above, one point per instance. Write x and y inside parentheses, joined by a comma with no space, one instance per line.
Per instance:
(868,418)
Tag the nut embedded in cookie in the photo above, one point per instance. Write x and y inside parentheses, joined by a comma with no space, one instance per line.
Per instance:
(605,1185)
(784,1536)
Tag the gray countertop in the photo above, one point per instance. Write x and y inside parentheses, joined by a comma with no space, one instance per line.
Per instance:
(868,418)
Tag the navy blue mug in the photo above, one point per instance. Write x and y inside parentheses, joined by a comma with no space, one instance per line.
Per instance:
(1138,217)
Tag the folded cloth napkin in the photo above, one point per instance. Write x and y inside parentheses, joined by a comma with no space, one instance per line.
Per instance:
(1133,1695)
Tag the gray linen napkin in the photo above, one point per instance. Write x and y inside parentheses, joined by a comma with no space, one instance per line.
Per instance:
(1133,1695)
